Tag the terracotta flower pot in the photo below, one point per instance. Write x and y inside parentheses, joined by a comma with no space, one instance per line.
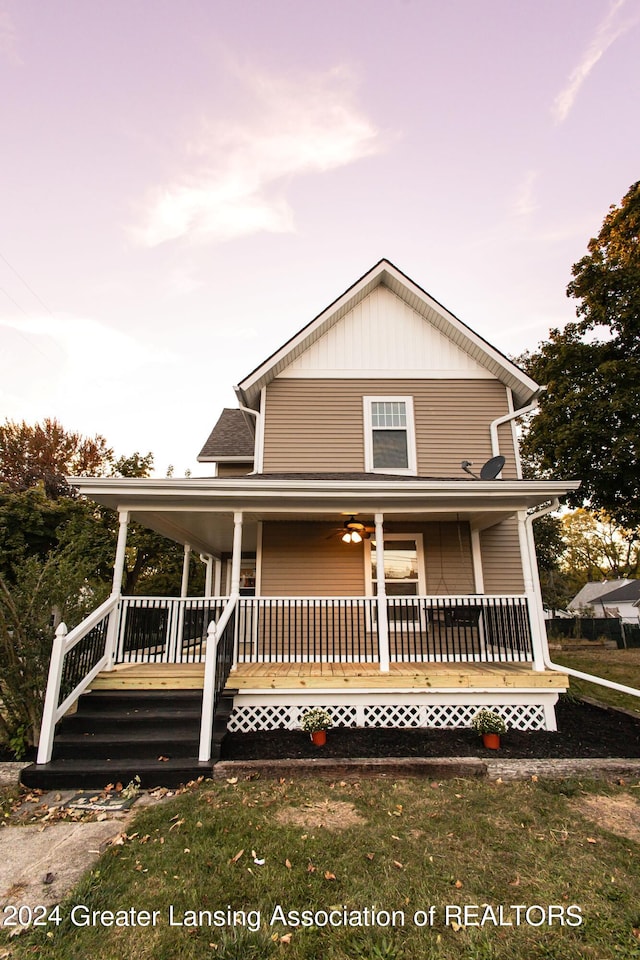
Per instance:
(491,740)
(319,737)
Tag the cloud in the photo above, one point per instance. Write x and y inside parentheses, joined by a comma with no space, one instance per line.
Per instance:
(8,39)
(90,351)
(606,34)
(235,184)
(525,203)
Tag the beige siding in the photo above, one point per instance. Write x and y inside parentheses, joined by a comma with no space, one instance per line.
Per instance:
(501,560)
(234,469)
(311,560)
(315,425)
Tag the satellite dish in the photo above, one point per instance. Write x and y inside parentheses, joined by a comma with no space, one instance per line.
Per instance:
(492,468)
(489,471)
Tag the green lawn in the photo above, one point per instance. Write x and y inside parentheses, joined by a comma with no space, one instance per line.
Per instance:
(623,666)
(378,854)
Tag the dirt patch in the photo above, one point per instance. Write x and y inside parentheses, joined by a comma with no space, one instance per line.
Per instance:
(620,815)
(332,815)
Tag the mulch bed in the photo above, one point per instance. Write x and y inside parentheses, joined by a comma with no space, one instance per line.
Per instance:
(583,731)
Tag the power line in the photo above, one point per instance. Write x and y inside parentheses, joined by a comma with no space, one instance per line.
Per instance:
(29,288)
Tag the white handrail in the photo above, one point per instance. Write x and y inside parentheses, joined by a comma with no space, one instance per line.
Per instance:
(214,632)
(602,681)
(62,644)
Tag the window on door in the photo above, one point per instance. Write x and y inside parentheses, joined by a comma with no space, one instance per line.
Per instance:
(389,435)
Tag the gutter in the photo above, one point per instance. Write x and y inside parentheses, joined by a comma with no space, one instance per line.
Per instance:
(548,662)
(512,415)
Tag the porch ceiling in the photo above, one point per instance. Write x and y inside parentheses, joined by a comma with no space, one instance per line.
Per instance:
(200,511)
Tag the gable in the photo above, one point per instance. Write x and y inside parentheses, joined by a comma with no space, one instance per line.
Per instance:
(383,336)
(384,274)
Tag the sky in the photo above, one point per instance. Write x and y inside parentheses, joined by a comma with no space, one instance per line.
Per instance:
(184,185)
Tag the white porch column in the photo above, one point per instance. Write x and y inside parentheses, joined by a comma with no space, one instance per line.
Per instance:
(476,556)
(534,599)
(383,626)
(208,576)
(217,577)
(237,553)
(118,563)
(184,588)
(116,588)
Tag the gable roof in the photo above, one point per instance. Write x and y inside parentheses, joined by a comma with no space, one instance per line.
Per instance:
(384,273)
(230,439)
(630,592)
(594,592)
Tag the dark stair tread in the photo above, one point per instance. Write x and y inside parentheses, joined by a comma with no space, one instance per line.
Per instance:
(96,774)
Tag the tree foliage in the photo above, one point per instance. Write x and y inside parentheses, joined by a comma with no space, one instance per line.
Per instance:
(589,418)
(56,556)
(47,453)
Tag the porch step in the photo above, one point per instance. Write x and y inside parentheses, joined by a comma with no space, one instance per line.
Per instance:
(82,774)
(118,735)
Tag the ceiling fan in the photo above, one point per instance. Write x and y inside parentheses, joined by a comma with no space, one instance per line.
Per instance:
(352,531)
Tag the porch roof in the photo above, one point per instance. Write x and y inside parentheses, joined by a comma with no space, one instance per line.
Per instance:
(199,511)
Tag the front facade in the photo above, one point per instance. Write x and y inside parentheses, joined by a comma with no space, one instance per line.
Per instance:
(367,532)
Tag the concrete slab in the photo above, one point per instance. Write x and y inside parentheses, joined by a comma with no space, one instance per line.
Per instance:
(40,863)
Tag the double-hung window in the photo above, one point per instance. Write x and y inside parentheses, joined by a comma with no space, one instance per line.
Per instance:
(390,444)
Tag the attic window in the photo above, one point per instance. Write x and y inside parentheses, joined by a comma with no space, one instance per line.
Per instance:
(389,435)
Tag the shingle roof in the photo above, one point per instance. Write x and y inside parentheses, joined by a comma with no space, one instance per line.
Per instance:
(630,593)
(231,437)
(592,592)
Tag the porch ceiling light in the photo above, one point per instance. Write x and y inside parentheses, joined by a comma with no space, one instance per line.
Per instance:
(354,531)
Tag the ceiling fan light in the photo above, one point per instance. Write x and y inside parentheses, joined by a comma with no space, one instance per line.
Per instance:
(355,537)
(346,538)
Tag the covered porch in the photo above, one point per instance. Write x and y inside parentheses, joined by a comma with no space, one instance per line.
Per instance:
(392,629)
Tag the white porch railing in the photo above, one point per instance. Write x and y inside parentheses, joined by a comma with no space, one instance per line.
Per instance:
(483,629)
(76,659)
(165,629)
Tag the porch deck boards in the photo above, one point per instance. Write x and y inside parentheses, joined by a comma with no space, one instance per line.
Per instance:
(338,676)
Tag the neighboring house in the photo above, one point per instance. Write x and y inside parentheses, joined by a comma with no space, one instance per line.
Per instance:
(616,599)
(358,555)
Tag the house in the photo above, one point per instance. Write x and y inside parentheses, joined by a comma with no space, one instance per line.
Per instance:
(617,599)
(367,533)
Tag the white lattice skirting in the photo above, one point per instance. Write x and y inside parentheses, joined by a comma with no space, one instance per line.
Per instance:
(527,712)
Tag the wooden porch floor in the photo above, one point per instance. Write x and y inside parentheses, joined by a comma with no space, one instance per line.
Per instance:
(337,676)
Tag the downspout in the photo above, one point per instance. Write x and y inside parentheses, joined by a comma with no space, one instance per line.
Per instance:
(257,453)
(548,662)
(512,415)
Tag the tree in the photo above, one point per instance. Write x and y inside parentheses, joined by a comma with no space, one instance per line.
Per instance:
(588,424)
(47,453)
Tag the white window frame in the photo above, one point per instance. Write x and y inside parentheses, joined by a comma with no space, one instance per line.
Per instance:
(389,538)
(411,469)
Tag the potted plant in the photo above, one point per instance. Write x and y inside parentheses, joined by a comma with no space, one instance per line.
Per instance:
(489,725)
(316,722)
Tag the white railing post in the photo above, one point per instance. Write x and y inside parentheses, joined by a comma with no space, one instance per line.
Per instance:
(383,624)
(208,693)
(116,588)
(48,725)
(534,599)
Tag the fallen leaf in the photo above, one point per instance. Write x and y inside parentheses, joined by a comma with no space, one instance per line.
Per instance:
(456,926)
(310,867)
(591,840)
(636,932)
(118,787)
(237,856)
(48,878)
(178,823)
(458,884)
(286,938)
(534,777)
(232,780)
(329,876)
(369,856)
(399,865)
(515,883)
(287,864)
(163,759)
